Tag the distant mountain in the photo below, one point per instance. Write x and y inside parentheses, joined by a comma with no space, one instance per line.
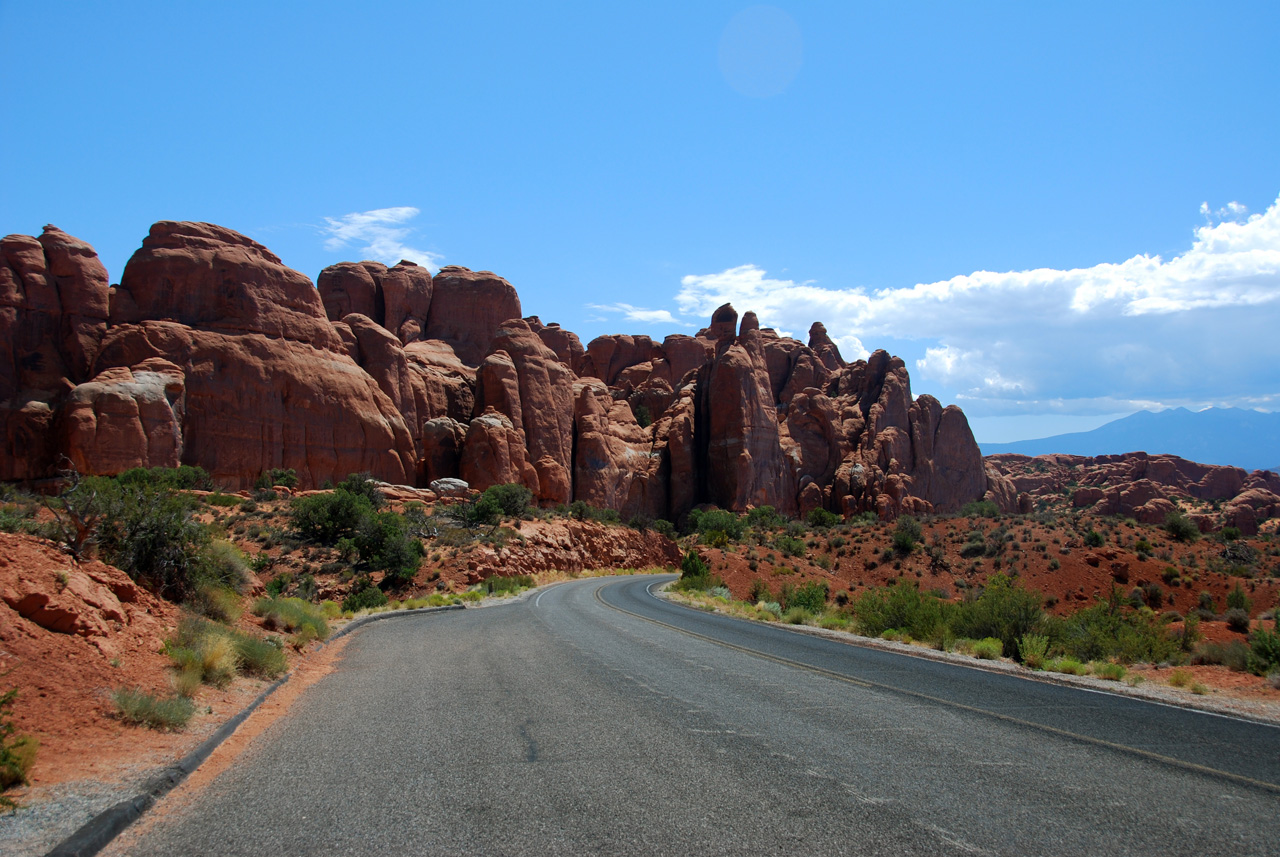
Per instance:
(1248,439)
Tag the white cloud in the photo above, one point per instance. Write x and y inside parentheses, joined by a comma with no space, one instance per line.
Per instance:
(640,314)
(1191,330)
(380,235)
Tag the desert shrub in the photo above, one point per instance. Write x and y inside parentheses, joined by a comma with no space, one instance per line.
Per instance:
(1108,671)
(181,478)
(1237,620)
(136,706)
(584,511)
(765,518)
(219,603)
(384,544)
(276,476)
(1004,610)
(1033,648)
(1234,655)
(1180,528)
(663,527)
(796,616)
(789,546)
(222,501)
(1264,656)
(292,615)
(821,519)
(759,591)
(362,485)
(1054,565)
(906,533)
(1093,539)
(980,509)
(643,416)
(810,596)
(901,607)
(1106,632)
(720,592)
(1153,595)
(1067,665)
(495,585)
(1238,599)
(278,585)
(326,518)
(1180,677)
(512,499)
(17,751)
(988,649)
(694,573)
(364,595)
(717,519)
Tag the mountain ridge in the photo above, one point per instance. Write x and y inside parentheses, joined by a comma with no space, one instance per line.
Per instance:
(1227,436)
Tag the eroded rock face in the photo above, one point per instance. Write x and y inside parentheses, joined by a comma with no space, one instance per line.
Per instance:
(210,278)
(213,352)
(466,309)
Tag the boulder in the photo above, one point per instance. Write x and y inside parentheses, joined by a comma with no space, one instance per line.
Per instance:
(125,418)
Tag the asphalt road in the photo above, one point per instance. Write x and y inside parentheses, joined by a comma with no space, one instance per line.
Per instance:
(596,719)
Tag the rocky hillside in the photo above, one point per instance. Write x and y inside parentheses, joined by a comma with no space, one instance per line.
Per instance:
(211,352)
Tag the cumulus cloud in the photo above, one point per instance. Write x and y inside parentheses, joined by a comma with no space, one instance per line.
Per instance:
(639,314)
(1195,329)
(379,234)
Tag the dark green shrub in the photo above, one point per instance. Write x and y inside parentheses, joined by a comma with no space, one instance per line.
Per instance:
(173,478)
(278,585)
(17,752)
(1230,534)
(512,499)
(364,595)
(717,519)
(980,509)
(1265,653)
(821,519)
(584,511)
(765,518)
(362,485)
(759,591)
(292,615)
(495,585)
(1234,655)
(384,545)
(789,546)
(1093,539)
(276,476)
(906,534)
(1238,599)
(902,607)
(145,709)
(326,518)
(694,573)
(811,597)
(1104,631)
(1004,610)
(642,415)
(1237,619)
(664,527)
(1180,528)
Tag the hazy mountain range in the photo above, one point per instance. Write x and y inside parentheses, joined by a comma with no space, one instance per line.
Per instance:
(1248,439)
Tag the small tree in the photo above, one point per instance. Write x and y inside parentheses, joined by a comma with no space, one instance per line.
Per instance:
(1180,528)
(906,534)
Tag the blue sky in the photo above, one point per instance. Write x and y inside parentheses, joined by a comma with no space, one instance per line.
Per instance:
(1055,213)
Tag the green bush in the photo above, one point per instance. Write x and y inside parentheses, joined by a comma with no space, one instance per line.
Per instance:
(643,417)
(810,596)
(176,479)
(495,585)
(1238,599)
(1033,648)
(584,511)
(821,519)
(1106,632)
(759,591)
(789,546)
(1093,539)
(899,608)
(326,518)
(364,595)
(1234,655)
(980,509)
(362,485)
(384,544)
(292,615)
(278,585)
(1180,528)
(1237,619)
(135,706)
(17,752)
(1264,656)
(276,476)
(764,518)
(511,498)
(717,519)
(988,649)
(1004,610)
(1108,671)
(906,534)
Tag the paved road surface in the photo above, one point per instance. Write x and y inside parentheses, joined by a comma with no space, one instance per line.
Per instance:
(571,724)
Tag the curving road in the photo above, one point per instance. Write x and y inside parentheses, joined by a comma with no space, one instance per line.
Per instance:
(595,718)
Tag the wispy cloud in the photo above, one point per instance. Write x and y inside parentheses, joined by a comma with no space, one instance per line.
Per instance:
(640,314)
(380,235)
(1197,328)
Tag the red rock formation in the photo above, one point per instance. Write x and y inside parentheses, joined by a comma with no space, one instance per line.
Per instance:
(494,453)
(211,278)
(125,418)
(466,309)
(564,343)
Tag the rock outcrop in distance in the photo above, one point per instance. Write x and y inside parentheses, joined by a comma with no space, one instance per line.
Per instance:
(1146,487)
(211,352)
